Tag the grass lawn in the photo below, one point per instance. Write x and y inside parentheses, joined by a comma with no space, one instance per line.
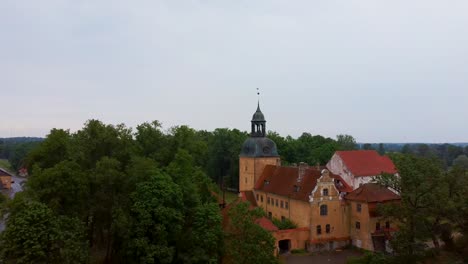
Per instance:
(4,164)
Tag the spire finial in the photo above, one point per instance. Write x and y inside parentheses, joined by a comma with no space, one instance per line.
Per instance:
(258,99)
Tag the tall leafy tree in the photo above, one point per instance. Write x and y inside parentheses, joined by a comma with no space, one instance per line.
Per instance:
(420,184)
(247,242)
(157,220)
(346,142)
(35,234)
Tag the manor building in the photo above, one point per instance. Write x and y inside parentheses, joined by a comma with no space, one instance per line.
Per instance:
(332,206)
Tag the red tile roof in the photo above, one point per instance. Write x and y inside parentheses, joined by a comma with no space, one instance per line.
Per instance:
(266,224)
(4,173)
(283,181)
(248,196)
(366,162)
(372,193)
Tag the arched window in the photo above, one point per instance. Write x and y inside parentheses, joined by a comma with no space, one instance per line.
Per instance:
(325,192)
(323,209)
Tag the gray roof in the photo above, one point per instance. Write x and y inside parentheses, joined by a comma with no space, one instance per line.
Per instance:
(259,147)
(258,115)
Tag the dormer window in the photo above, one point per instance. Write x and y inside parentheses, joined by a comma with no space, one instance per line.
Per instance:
(325,192)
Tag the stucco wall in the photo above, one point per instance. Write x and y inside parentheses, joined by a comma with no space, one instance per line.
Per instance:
(250,169)
(361,237)
(6,181)
(336,212)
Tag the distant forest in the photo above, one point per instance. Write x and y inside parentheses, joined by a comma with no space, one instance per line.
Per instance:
(222,146)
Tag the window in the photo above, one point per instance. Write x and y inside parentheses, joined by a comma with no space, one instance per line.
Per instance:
(296,188)
(269,215)
(323,209)
(286,205)
(327,229)
(319,229)
(358,207)
(377,226)
(282,204)
(268,200)
(325,192)
(387,224)
(276,202)
(245,168)
(261,198)
(358,225)
(283,218)
(257,196)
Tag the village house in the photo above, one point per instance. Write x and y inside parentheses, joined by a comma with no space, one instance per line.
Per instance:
(332,206)
(5,179)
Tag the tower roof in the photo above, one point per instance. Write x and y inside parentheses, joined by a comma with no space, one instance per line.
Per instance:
(258,115)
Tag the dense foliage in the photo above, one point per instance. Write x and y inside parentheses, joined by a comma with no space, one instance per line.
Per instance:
(247,242)
(433,208)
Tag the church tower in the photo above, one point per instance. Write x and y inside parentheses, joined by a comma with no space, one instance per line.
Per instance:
(257,152)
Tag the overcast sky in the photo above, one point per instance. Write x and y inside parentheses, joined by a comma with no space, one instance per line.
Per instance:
(382,71)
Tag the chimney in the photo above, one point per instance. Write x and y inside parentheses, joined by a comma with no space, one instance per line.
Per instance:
(302,169)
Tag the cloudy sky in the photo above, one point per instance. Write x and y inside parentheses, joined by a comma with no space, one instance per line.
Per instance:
(382,71)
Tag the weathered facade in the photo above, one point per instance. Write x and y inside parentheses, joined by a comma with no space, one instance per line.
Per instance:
(5,179)
(332,206)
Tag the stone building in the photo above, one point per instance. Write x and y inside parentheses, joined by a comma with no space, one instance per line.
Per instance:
(332,206)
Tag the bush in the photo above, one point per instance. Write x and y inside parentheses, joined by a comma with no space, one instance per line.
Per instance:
(284,224)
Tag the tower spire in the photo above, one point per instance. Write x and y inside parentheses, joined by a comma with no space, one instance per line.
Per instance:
(258,121)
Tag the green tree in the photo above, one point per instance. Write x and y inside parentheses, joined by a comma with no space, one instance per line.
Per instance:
(420,184)
(157,220)
(367,146)
(63,187)
(34,234)
(381,149)
(54,149)
(247,242)
(461,161)
(205,237)
(346,142)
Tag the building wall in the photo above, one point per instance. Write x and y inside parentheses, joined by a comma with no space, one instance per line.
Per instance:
(6,182)
(250,169)
(361,237)
(337,166)
(296,210)
(337,215)
(298,237)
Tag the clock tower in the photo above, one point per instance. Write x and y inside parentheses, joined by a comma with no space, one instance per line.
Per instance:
(257,152)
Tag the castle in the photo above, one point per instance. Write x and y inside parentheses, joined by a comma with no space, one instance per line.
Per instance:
(332,206)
